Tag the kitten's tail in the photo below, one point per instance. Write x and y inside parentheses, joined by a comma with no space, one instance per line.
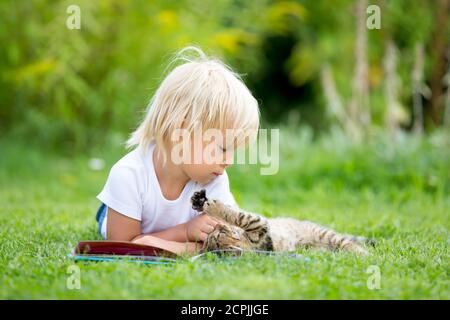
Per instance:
(336,241)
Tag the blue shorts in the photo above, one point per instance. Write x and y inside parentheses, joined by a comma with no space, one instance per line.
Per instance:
(101,214)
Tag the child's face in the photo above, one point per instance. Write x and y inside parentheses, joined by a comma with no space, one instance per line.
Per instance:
(203,173)
(212,159)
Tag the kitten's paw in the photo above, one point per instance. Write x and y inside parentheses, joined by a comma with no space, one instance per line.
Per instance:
(359,250)
(213,208)
(362,251)
(355,248)
(198,200)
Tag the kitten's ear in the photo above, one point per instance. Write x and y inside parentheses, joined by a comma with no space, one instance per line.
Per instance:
(198,200)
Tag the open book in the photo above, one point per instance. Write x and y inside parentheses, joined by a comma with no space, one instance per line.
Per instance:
(121,250)
(133,252)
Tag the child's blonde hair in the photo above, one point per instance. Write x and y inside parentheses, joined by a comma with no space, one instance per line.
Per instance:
(200,92)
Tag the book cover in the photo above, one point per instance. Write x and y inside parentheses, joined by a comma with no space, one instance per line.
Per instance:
(121,250)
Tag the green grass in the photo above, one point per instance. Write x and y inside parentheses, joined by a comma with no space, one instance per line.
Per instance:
(397,192)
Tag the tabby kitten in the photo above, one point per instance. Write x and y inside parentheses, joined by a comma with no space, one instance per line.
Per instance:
(250,231)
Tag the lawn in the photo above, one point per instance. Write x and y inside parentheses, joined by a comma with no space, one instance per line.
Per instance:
(397,191)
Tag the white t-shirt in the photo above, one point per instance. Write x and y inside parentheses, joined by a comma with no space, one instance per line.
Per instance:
(133,190)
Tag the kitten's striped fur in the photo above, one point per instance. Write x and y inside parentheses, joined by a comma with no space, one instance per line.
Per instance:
(251,231)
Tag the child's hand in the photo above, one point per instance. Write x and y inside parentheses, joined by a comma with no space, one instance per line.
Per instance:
(199,227)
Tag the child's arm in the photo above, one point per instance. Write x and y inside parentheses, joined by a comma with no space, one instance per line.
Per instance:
(173,246)
(176,233)
(196,229)
(122,228)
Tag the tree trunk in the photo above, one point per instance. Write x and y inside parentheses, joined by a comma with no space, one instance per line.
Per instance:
(438,47)
(335,106)
(447,95)
(394,113)
(417,85)
(359,103)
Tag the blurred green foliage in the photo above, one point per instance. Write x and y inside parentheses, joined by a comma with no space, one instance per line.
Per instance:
(73,89)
